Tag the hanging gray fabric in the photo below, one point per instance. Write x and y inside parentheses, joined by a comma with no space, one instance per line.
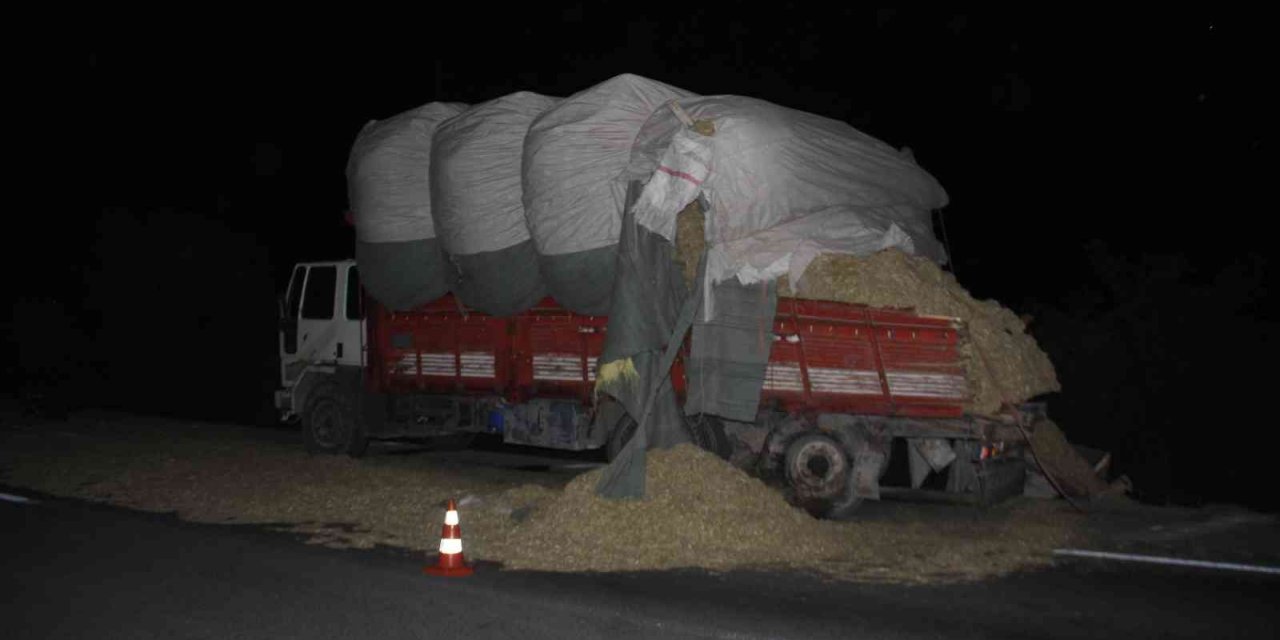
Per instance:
(729,354)
(649,317)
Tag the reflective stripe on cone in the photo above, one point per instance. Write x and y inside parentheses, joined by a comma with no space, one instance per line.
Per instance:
(450,561)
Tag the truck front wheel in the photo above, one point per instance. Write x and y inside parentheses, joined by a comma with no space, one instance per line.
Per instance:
(620,435)
(330,423)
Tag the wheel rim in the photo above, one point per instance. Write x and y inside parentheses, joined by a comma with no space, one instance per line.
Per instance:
(817,468)
(327,427)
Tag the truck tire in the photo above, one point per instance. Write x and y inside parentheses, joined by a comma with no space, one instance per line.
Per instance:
(620,435)
(330,424)
(820,476)
(708,432)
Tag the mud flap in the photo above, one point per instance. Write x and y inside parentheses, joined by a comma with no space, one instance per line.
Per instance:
(866,447)
(928,454)
(867,465)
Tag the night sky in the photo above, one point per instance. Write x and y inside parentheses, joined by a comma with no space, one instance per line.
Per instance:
(1105,173)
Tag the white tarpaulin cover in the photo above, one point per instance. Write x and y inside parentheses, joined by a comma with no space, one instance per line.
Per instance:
(573,204)
(572,155)
(477,201)
(387,173)
(475,174)
(782,185)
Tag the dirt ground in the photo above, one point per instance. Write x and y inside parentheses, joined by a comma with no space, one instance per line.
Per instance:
(700,512)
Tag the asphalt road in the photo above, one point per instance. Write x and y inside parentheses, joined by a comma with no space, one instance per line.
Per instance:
(73,569)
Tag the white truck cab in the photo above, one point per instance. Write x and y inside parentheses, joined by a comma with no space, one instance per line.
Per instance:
(321,327)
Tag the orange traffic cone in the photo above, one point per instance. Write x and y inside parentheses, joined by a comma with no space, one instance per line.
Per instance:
(450,562)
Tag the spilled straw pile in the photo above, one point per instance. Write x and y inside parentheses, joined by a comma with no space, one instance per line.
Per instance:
(700,511)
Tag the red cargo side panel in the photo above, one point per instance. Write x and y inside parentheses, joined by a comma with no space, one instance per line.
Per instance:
(849,358)
(441,347)
(558,352)
(826,356)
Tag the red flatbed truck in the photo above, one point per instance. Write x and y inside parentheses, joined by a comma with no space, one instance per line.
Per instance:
(848,389)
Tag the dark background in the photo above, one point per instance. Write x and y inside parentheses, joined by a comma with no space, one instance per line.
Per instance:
(1105,172)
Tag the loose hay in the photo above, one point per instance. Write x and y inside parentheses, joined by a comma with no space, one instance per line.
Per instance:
(700,512)
(690,240)
(219,478)
(616,372)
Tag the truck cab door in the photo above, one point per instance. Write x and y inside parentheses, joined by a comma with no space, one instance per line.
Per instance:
(290,307)
(310,316)
(348,346)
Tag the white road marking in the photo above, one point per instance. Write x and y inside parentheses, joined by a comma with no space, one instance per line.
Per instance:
(9,497)
(1130,557)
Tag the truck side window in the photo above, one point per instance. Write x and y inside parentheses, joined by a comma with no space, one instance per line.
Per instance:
(317,303)
(295,291)
(354,309)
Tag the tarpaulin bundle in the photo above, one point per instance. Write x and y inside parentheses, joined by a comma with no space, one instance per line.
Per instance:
(572,156)
(478,204)
(387,186)
(782,187)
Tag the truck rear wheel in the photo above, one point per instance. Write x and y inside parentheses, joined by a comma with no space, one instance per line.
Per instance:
(821,476)
(330,423)
(708,432)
